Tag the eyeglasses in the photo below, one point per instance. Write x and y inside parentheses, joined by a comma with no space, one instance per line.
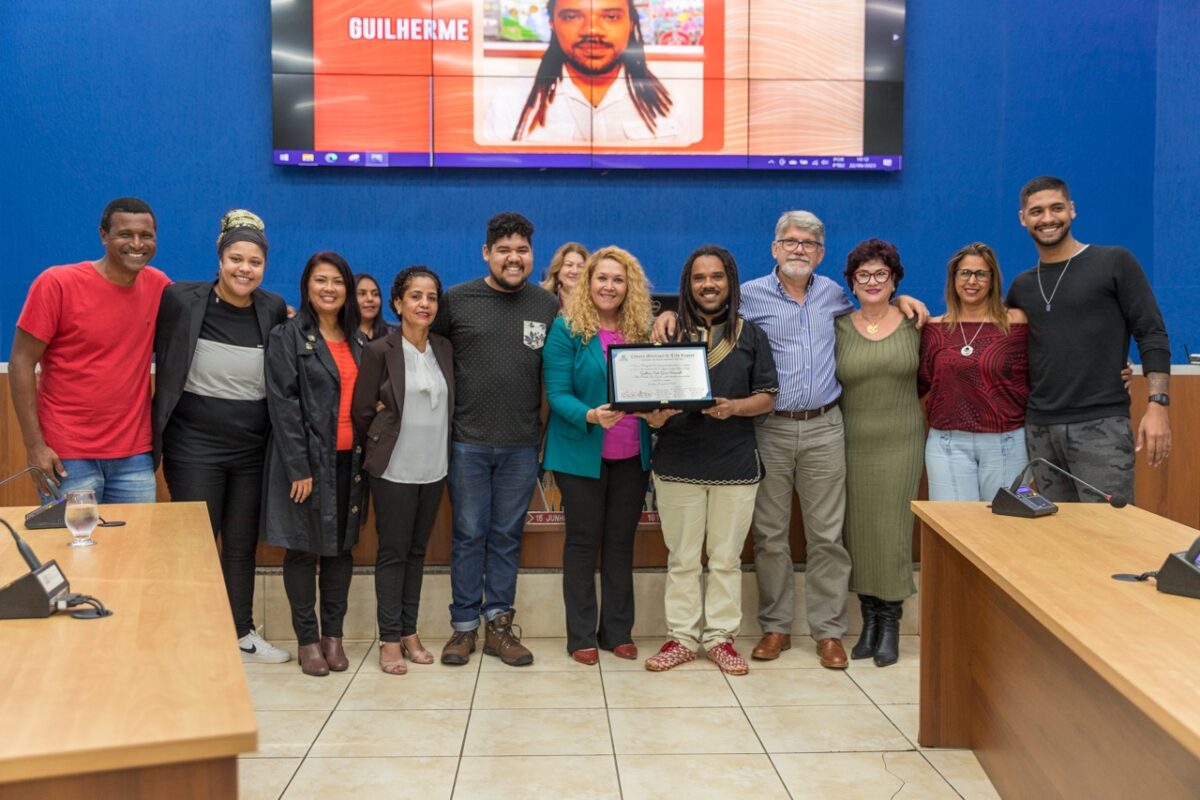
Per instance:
(809,245)
(880,276)
(981,275)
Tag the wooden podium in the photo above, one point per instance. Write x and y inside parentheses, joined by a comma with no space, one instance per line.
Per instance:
(150,702)
(1064,682)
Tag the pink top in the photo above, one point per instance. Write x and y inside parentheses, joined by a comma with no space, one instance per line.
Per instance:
(623,440)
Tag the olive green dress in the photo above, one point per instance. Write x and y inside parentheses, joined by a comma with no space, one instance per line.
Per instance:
(885,438)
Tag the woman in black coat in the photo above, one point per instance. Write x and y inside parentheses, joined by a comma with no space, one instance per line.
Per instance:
(210,406)
(313,487)
(403,411)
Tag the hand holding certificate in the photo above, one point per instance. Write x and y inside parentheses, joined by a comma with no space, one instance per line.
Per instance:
(645,377)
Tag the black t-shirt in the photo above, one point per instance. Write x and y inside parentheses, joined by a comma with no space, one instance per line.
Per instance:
(695,448)
(497,339)
(1078,348)
(221,417)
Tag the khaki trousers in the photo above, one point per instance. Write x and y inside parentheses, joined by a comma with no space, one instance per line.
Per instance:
(689,512)
(808,457)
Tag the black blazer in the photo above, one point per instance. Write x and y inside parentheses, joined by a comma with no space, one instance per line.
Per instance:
(381,379)
(180,316)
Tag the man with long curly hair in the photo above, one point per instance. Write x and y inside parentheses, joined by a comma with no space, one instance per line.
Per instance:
(592,84)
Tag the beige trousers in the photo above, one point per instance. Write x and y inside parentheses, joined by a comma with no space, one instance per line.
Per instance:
(714,519)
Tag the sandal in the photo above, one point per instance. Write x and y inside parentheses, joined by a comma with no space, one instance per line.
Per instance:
(415,651)
(391,658)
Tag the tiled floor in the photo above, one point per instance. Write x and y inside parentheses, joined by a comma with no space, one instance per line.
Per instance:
(558,729)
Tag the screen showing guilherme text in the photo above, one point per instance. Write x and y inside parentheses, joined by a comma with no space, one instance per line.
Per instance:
(732,84)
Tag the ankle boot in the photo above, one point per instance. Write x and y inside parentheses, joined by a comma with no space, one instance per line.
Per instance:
(869,640)
(888,651)
(335,656)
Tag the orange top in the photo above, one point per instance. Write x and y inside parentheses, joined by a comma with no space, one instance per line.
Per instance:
(348,372)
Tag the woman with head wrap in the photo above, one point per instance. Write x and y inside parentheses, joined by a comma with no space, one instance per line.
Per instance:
(210,407)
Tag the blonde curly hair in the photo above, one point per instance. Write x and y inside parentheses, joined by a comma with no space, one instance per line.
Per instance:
(634,316)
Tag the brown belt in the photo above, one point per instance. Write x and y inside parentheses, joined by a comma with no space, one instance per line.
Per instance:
(807,415)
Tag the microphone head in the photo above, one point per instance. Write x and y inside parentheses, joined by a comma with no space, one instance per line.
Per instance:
(1117,501)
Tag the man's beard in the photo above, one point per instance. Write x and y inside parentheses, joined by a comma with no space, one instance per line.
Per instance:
(586,69)
(797,269)
(1063,233)
(504,283)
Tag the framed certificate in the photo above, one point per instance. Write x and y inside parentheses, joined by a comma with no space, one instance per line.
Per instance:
(645,377)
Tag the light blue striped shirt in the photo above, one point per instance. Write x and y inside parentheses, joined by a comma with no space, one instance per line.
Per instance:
(801,336)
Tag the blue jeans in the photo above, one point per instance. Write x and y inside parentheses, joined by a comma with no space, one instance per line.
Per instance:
(972,466)
(490,489)
(115,480)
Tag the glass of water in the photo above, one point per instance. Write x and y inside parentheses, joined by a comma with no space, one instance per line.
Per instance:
(82,515)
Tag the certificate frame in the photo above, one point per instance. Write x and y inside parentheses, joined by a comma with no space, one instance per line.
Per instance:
(621,397)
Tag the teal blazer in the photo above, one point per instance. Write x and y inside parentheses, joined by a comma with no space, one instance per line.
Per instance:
(576,380)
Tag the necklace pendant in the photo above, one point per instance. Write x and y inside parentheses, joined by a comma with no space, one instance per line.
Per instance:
(1047,306)
(872,327)
(967,350)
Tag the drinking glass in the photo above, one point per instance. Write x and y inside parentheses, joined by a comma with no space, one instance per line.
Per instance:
(82,514)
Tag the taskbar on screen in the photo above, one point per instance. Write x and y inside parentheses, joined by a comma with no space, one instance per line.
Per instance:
(367,158)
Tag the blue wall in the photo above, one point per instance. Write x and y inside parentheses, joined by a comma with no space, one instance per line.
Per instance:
(171,102)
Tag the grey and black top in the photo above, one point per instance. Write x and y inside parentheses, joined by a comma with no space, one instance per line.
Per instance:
(222,414)
(497,339)
(695,448)
(1078,347)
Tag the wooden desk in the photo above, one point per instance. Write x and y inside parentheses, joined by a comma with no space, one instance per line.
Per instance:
(1064,682)
(150,702)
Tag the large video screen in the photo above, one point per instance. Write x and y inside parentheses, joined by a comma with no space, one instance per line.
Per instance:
(738,84)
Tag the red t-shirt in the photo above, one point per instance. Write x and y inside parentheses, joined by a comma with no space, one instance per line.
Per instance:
(94,394)
(348,373)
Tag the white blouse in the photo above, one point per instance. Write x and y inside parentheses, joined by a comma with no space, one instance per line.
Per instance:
(420,455)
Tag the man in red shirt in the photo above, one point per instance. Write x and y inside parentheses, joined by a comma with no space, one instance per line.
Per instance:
(90,325)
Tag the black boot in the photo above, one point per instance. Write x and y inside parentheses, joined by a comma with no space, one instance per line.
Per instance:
(869,640)
(888,651)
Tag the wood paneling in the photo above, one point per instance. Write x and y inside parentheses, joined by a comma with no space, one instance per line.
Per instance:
(197,780)
(158,682)
(1168,490)
(1065,682)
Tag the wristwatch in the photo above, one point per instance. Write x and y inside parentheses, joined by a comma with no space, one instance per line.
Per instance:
(1161,399)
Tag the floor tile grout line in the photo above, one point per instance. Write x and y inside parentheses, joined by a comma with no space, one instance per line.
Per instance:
(949,783)
(770,760)
(462,747)
(612,739)
(328,716)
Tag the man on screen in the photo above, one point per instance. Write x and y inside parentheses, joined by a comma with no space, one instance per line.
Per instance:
(593,84)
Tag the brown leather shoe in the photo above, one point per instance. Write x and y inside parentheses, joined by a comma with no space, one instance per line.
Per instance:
(501,641)
(770,646)
(833,655)
(457,651)
(335,656)
(312,662)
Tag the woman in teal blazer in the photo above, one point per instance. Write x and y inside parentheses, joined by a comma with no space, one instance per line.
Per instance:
(600,457)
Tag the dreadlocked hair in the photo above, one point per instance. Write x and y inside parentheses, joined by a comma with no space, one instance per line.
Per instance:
(690,319)
(650,96)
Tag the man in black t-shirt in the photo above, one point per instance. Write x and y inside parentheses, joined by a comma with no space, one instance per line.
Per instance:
(706,468)
(1083,303)
(497,325)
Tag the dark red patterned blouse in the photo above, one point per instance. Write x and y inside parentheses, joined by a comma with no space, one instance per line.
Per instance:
(984,392)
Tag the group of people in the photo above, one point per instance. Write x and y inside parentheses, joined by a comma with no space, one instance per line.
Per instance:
(282,421)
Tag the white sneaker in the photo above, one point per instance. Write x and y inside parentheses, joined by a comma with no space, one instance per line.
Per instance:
(257,649)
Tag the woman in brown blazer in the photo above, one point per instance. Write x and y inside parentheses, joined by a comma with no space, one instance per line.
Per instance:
(402,409)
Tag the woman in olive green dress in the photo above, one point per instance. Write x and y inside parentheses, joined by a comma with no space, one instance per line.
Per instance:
(877,356)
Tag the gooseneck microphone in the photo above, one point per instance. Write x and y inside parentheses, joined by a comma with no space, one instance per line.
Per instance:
(1114,500)
(25,550)
(1019,500)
